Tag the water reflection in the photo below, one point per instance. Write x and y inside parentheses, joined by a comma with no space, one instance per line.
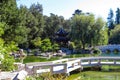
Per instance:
(112,54)
(101,78)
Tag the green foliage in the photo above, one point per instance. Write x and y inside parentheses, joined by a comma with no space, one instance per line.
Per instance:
(33,59)
(8,21)
(71,45)
(25,25)
(37,42)
(14,30)
(99,35)
(9,10)
(33,23)
(115,37)
(7,63)
(47,76)
(96,75)
(2,27)
(20,34)
(37,10)
(103,38)
(87,29)
(2,49)
(52,24)
(29,59)
(81,27)
(11,47)
(38,59)
(55,47)
(46,45)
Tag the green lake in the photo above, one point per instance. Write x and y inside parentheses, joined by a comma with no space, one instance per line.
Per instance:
(111,54)
(107,73)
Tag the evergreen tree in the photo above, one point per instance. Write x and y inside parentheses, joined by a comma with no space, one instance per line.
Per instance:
(110,19)
(78,12)
(117,16)
(37,12)
(52,24)
(14,31)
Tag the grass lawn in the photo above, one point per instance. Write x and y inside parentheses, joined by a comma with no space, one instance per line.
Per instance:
(112,74)
(40,59)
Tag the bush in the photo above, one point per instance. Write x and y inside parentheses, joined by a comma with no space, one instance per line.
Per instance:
(7,64)
(48,76)
(71,45)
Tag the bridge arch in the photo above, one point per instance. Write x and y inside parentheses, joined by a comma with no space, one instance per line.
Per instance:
(116,50)
(110,48)
(108,51)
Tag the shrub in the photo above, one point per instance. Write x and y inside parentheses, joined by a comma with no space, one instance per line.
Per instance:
(7,64)
(71,45)
(48,76)
(55,47)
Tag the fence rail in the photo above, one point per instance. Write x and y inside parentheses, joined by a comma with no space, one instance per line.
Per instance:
(68,65)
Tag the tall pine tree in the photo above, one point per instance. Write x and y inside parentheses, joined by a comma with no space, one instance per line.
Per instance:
(117,19)
(110,19)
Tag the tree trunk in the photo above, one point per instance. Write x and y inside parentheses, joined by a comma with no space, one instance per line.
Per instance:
(83,44)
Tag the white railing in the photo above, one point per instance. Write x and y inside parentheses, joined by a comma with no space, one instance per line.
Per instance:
(100,61)
(60,61)
(68,65)
(52,68)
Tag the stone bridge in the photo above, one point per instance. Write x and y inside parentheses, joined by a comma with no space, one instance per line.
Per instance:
(68,65)
(111,48)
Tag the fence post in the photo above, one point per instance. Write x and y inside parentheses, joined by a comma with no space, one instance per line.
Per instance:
(89,61)
(65,68)
(114,61)
(99,61)
(34,70)
(73,65)
(51,69)
(79,63)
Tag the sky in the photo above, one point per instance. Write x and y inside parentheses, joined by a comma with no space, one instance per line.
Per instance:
(66,8)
